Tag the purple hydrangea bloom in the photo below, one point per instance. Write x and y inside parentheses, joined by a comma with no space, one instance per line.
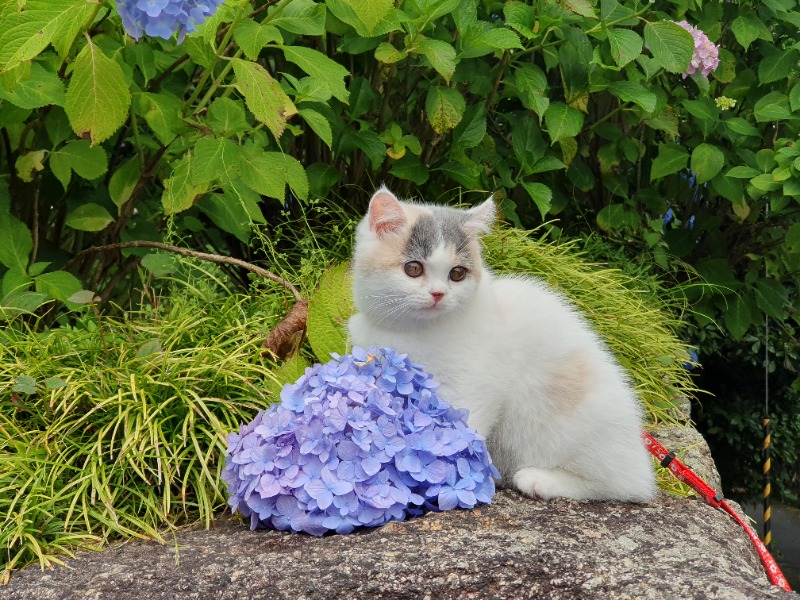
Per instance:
(356,442)
(706,54)
(162,18)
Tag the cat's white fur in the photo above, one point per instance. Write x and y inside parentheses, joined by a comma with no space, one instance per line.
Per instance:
(559,414)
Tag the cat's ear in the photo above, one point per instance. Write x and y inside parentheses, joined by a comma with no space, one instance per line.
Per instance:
(480,218)
(386,214)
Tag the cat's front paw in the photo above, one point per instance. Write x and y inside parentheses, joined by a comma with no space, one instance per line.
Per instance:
(547,484)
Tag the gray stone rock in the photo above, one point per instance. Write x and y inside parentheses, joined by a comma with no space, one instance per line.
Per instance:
(515,548)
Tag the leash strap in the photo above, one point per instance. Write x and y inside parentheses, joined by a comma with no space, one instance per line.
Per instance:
(690,478)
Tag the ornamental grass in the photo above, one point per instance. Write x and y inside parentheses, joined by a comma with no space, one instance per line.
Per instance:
(114,427)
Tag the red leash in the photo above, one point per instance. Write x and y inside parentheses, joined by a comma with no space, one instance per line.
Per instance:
(685,474)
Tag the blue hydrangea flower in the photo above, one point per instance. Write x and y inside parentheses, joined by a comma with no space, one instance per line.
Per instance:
(162,18)
(356,442)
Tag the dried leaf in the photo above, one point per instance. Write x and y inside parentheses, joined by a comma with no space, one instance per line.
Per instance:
(285,339)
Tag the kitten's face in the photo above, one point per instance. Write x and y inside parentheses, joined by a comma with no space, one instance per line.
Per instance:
(415,263)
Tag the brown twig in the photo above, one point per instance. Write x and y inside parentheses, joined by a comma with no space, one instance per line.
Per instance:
(214,258)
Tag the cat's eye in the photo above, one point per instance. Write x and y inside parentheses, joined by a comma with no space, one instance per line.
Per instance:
(413,268)
(458,273)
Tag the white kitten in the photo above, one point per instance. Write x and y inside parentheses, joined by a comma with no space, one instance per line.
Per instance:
(557,410)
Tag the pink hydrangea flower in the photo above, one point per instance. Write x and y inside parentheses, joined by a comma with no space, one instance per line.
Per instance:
(706,54)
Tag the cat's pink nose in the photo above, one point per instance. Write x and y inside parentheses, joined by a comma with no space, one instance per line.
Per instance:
(437,296)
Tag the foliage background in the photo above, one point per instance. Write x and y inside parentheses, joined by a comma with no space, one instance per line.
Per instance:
(572,112)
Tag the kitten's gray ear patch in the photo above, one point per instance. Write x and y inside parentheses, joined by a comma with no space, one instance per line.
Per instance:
(386,214)
(480,218)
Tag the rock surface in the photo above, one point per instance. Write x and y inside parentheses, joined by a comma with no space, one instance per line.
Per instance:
(515,548)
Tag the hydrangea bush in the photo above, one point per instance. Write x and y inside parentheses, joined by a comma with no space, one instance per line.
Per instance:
(358,441)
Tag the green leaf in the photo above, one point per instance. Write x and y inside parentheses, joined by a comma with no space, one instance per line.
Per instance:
(27,32)
(14,282)
(528,144)
(670,160)
(303,17)
(263,95)
(522,17)
(162,112)
(742,172)
(488,41)
(252,37)
(258,171)
(772,107)
(77,155)
(584,8)
(626,45)
(319,125)
(746,29)
(388,54)
(160,264)
(57,284)
(215,159)
(742,127)
(97,99)
(179,191)
(319,66)
(531,84)
(83,297)
(444,107)
(441,55)
(777,67)
(149,348)
(54,383)
(228,215)
(737,317)
(89,217)
(541,195)
(124,181)
(670,44)
(471,130)
(24,384)
(41,88)
(17,243)
(771,297)
(791,241)
(765,183)
(370,12)
(707,161)
(30,163)
(226,117)
(629,91)
(329,308)
(562,121)
(344,11)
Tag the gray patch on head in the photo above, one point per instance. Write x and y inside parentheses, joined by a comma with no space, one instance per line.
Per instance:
(442,226)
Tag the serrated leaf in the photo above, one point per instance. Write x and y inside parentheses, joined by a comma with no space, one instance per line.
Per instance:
(471,130)
(626,45)
(41,88)
(441,55)
(388,54)
(228,215)
(179,191)
(215,159)
(629,91)
(562,121)
(488,41)
(707,162)
(226,117)
(737,317)
(252,37)
(746,29)
(370,12)
(89,217)
(27,32)
(444,107)
(319,66)
(124,181)
(771,297)
(57,284)
(89,162)
(742,127)
(777,67)
(328,311)
(28,164)
(541,195)
(319,125)
(584,8)
(742,172)
(303,17)
(162,112)
(669,160)
(342,10)
(258,171)
(24,384)
(772,107)
(263,95)
(98,98)
(670,44)
(17,243)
